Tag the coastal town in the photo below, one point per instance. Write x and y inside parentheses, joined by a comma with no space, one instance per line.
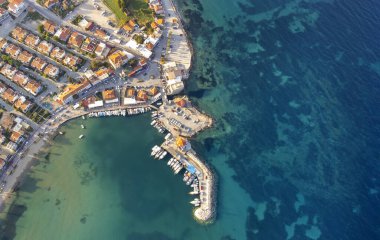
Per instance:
(62,60)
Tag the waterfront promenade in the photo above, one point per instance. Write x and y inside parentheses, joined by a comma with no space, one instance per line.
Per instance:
(185,121)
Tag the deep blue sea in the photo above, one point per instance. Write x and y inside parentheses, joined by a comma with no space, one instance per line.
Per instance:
(294,88)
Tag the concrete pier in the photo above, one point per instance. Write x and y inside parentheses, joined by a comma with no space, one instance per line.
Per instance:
(183,120)
(205,213)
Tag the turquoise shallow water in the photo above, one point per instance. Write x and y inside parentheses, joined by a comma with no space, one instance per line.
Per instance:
(108,185)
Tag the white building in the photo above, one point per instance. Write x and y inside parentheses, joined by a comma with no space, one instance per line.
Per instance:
(139,48)
(95,104)
(174,86)
(151,40)
(129,101)
(11,146)
(16,7)
(102,50)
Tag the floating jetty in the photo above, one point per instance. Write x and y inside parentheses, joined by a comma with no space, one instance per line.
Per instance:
(120,112)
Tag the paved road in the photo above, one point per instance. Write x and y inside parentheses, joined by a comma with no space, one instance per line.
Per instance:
(46,58)
(6,105)
(51,16)
(51,85)
(10,109)
(63,46)
(181,52)
(16,87)
(28,120)
(9,24)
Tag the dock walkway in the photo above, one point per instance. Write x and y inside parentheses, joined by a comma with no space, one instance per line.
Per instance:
(206,211)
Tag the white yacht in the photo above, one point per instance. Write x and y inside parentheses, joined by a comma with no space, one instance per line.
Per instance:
(163,155)
(178,170)
(173,163)
(155,150)
(159,152)
(195,201)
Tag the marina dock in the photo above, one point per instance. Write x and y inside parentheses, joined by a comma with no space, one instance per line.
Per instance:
(205,212)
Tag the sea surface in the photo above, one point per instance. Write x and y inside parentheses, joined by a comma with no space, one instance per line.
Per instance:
(294,87)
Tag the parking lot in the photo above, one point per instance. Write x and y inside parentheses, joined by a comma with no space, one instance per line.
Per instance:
(183,121)
(88,9)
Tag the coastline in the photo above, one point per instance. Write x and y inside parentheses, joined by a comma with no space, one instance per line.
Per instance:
(48,130)
(20,172)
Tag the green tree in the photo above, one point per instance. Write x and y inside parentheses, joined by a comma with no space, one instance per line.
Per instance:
(132,62)
(138,38)
(123,5)
(95,65)
(41,29)
(149,30)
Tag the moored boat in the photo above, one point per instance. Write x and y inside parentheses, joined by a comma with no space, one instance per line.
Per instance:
(163,155)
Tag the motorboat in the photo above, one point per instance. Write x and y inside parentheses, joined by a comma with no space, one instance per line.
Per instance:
(168,136)
(163,155)
(190,180)
(82,126)
(159,152)
(178,170)
(175,165)
(81,136)
(155,150)
(195,201)
(186,177)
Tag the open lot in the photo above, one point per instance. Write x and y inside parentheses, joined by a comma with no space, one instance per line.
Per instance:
(88,9)
(138,9)
(114,7)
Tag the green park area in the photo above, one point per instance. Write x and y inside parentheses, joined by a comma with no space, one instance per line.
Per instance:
(130,9)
